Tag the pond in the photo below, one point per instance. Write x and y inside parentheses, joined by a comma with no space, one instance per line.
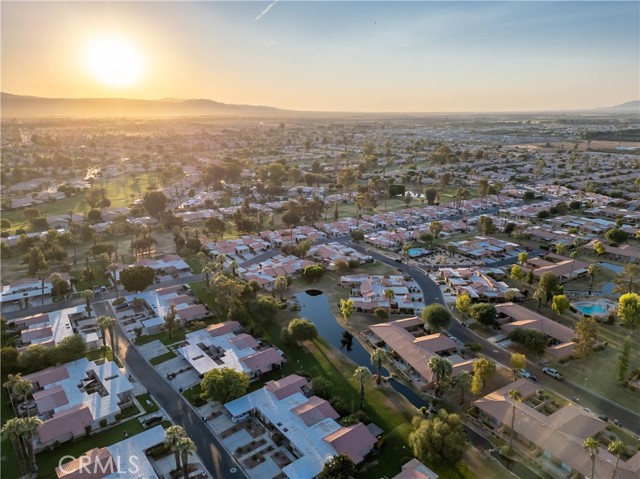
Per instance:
(315,307)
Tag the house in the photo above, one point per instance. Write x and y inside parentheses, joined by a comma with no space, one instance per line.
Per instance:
(76,397)
(329,253)
(564,268)
(414,469)
(266,272)
(368,293)
(224,346)
(478,284)
(512,316)
(413,348)
(307,424)
(627,252)
(553,436)
(127,458)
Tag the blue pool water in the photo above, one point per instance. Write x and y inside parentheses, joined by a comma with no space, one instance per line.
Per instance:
(592,309)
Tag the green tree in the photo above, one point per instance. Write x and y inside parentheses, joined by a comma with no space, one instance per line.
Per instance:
(224,384)
(357,235)
(539,295)
(22,388)
(435,227)
(170,323)
(172,436)
(560,304)
(301,330)
(629,310)
(518,361)
(592,445)
(523,258)
(362,374)
(534,341)
(586,336)
(155,203)
(185,447)
(436,316)
(442,368)
(227,292)
(483,369)
(617,448)
(346,309)
(313,272)
(486,225)
(484,313)
(137,278)
(628,280)
(516,397)
(463,303)
(516,273)
(623,359)
(280,285)
(378,356)
(106,323)
(13,429)
(550,284)
(36,261)
(599,248)
(338,467)
(88,295)
(113,268)
(463,382)
(439,440)
(389,295)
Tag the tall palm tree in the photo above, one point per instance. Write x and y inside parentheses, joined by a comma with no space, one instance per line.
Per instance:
(22,387)
(13,429)
(185,447)
(29,427)
(170,320)
(592,445)
(539,295)
(617,448)
(362,374)
(389,295)
(172,436)
(592,271)
(574,256)
(442,368)
(106,323)
(112,269)
(516,397)
(377,357)
(463,382)
(88,295)
(234,266)
(206,272)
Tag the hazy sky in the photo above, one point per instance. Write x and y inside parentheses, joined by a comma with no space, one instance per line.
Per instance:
(338,56)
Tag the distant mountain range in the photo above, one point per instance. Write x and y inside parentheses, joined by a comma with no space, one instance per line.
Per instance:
(27,106)
(628,106)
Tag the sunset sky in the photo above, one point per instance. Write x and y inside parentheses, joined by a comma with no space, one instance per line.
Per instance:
(330,56)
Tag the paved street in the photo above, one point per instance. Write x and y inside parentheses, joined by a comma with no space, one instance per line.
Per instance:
(215,458)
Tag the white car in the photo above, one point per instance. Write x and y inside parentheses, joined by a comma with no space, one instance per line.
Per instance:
(526,374)
(554,373)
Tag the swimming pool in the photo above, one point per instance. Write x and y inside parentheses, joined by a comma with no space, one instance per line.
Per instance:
(599,307)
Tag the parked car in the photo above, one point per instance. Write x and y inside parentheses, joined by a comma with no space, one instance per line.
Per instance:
(150,421)
(239,418)
(554,373)
(525,374)
(122,306)
(29,406)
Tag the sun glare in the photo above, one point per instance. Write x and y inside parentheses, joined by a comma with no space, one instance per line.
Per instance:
(114,61)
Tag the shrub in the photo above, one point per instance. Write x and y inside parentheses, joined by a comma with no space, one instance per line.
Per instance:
(340,405)
(103,422)
(322,387)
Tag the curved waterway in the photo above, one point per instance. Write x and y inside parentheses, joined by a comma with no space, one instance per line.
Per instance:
(315,307)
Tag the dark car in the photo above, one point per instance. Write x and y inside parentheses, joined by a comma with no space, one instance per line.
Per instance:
(150,421)
(122,306)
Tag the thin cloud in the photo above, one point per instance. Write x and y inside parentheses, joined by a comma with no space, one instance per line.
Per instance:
(265,11)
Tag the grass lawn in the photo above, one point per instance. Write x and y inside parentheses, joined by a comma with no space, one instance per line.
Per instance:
(163,337)
(99,354)
(162,358)
(49,460)
(143,398)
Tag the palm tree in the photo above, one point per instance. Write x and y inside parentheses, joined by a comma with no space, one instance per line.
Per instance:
(377,357)
(172,436)
(88,295)
(574,256)
(13,429)
(592,271)
(442,368)
(112,269)
(362,374)
(206,272)
(234,266)
(184,447)
(389,295)
(617,448)
(463,382)
(592,445)
(106,323)
(22,387)
(29,426)
(516,397)
(539,295)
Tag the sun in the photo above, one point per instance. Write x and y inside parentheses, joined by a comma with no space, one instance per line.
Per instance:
(114,61)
